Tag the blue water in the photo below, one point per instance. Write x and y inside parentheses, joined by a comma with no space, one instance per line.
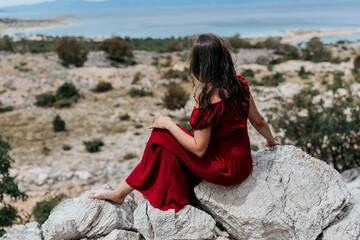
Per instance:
(225,20)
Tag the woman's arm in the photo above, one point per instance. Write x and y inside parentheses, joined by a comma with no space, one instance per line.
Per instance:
(260,124)
(197,145)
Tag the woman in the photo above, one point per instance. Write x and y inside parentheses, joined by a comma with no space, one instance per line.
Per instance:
(175,160)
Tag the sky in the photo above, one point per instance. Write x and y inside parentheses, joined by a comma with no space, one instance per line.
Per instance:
(7,3)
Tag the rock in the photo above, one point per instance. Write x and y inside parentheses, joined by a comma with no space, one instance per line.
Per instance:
(346,226)
(118,234)
(288,195)
(351,178)
(86,217)
(188,223)
(29,231)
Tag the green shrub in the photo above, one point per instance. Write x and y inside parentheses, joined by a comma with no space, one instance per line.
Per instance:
(325,132)
(254,147)
(102,87)
(6,109)
(176,74)
(175,97)
(138,126)
(67,90)
(175,46)
(58,124)
(273,80)
(237,42)
(94,145)
(116,49)
(315,51)
(6,44)
(8,187)
(338,82)
(248,73)
(70,51)
(66,147)
(185,124)
(125,117)
(303,74)
(133,92)
(129,156)
(356,69)
(45,150)
(42,209)
(45,99)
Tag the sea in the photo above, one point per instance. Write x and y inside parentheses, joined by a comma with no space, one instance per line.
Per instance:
(248,20)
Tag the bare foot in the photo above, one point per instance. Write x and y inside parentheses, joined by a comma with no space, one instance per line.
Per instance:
(107,194)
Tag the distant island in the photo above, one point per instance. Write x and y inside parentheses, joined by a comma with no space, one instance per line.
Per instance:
(18,25)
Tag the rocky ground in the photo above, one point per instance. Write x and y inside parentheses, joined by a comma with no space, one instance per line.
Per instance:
(96,115)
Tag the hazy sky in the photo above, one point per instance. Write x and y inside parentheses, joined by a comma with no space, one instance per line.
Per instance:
(7,3)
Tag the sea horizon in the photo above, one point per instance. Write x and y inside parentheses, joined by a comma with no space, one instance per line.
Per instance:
(248,20)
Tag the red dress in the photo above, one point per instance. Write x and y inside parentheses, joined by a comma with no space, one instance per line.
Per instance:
(168,173)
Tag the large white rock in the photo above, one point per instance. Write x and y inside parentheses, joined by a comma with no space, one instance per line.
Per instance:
(188,223)
(85,217)
(119,234)
(351,178)
(29,231)
(346,226)
(288,195)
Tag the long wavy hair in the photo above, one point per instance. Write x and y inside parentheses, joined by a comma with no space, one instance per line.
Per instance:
(210,62)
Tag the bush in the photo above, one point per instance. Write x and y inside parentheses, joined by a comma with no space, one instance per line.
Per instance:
(138,126)
(129,156)
(175,46)
(6,44)
(116,49)
(94,145)
(8,187)
(125,117)
(62,103)
(248,73)
(6,109)
(315,51)
(70,51)
(272,80)
(337,82)
(133,92)
(102,87)
(67,90)
(45,99)
(58,124)
(66,147)
(42,209)
(330,133)
(254,147)
(175,97)
(176,74)
(237,42)
(303,74)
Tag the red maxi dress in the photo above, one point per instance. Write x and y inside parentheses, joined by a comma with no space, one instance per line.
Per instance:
(168,173)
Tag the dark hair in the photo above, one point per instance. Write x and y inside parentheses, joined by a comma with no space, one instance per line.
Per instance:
(210,62)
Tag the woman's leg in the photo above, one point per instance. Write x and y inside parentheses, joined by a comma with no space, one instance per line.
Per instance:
(118,195)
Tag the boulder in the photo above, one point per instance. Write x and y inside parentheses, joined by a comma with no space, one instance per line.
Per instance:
(85,217)
(346,226)
(288,195)
(118,234)
(351,178)
(187,223)
(29,231)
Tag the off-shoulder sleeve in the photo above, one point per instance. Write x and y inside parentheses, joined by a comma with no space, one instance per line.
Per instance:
(205,121)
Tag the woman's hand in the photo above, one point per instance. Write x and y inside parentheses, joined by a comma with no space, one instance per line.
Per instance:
(272,143)
(161,122)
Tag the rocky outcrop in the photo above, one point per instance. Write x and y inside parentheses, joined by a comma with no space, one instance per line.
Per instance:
(188,223)
(29,231)
(85,217)
(288,195)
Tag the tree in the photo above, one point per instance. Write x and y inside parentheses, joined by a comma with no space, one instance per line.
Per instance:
(70,51)
(116,49)
(330,133)
(58,124)
(315,51)
(7,187)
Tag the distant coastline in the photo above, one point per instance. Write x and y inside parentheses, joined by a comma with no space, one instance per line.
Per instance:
(8,25)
